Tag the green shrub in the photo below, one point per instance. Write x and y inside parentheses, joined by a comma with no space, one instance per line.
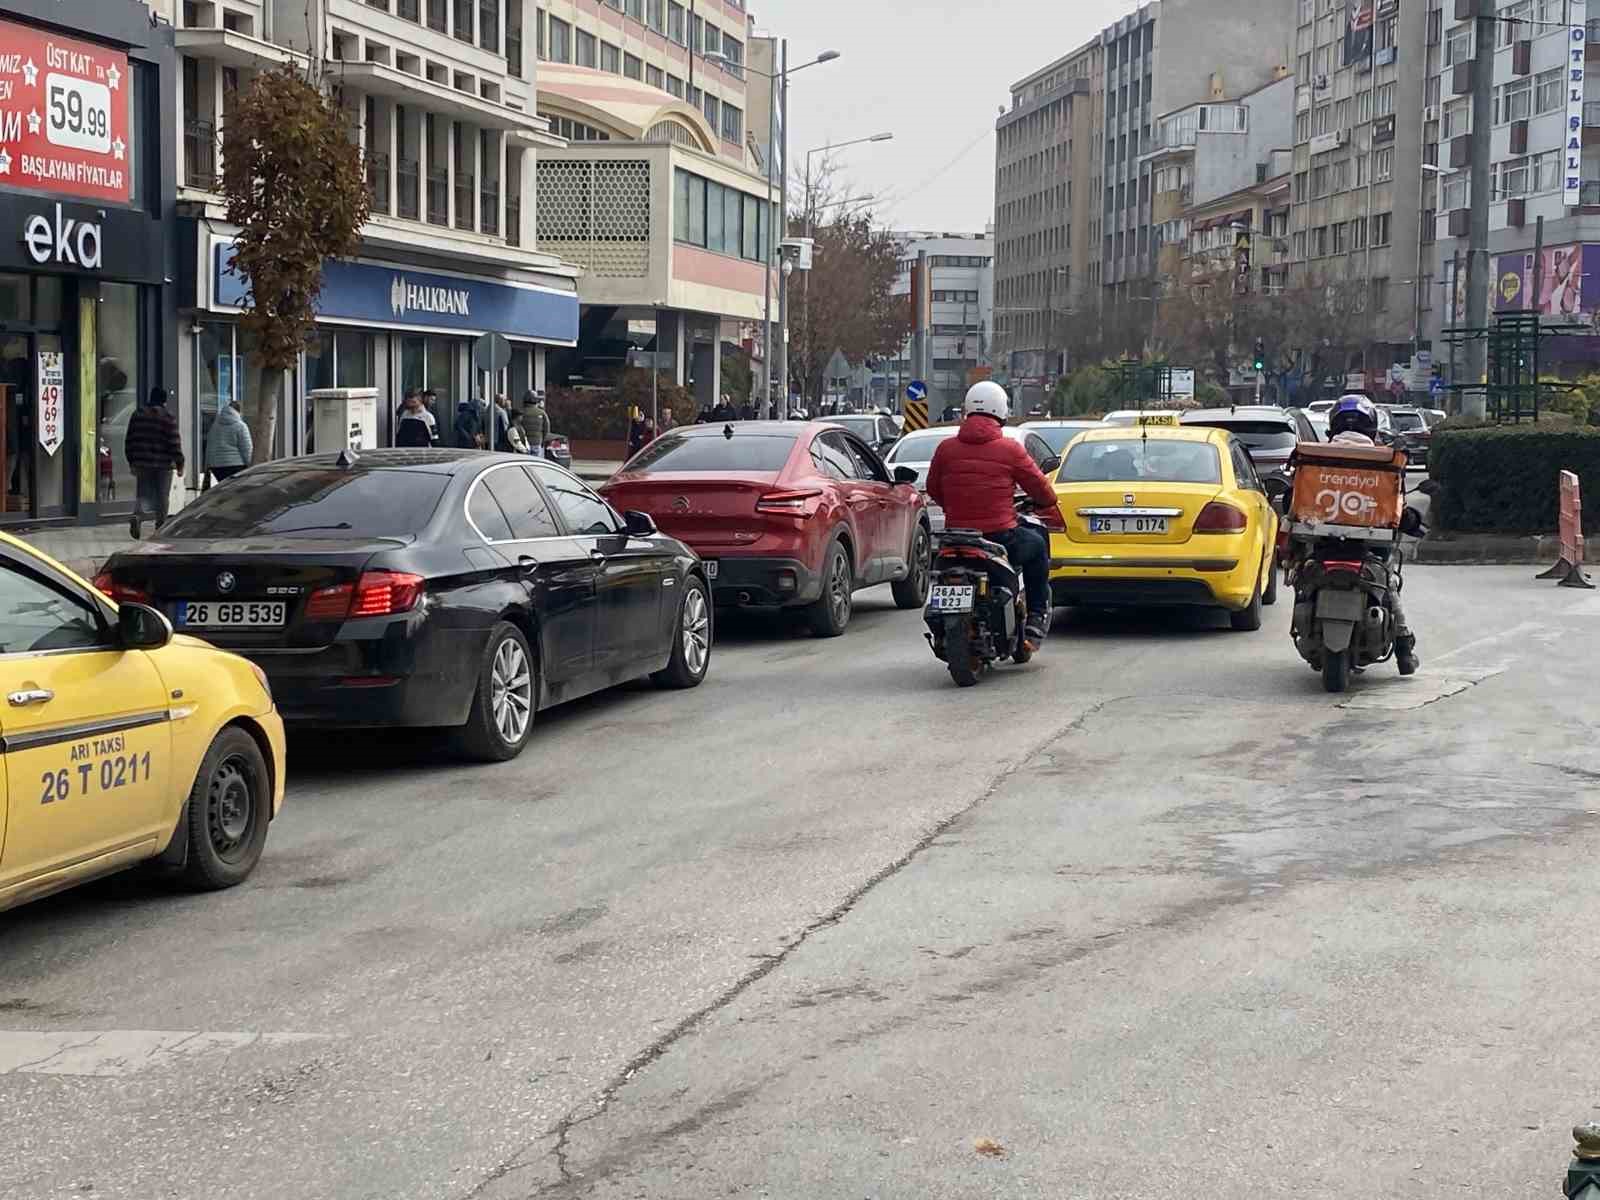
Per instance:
(1504,478)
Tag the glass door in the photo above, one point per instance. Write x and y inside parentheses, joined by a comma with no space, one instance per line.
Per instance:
(35,480)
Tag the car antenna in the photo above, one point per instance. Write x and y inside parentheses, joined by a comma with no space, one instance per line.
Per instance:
(347,458)
(727,432)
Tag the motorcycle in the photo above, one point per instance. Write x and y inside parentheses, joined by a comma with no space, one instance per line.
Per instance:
(977,604)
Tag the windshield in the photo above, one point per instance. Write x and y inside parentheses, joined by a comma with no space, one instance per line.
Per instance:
(1405,422)
(862,427)
(918,447)
(1132,460)
(1256,435)
(1057,436)
(741,452)
(313,502)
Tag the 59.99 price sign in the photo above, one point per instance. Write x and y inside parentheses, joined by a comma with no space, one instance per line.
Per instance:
(63,115)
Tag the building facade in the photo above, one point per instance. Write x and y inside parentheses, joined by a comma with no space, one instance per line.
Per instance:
(960,317)
(442,100)
(1362,218)
(88,316)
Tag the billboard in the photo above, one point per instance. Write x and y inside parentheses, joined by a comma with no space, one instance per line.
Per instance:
(1569,281)
(63,115)
(1572,175)
(1358,30)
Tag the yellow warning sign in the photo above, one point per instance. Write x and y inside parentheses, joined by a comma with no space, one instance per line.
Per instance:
(916,415)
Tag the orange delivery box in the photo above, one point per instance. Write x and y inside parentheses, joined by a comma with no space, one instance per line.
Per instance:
(1336,484)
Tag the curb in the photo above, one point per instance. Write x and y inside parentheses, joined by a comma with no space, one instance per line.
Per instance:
(1490,548)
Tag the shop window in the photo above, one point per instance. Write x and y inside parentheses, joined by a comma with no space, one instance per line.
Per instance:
(117,387)
(16,300)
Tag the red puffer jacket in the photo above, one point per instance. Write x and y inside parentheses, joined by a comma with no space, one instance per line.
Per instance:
(974,477)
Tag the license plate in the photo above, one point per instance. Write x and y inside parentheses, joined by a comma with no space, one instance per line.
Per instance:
(229,614)
(1127,524)
(710,565)
(947,598)
(1340,604)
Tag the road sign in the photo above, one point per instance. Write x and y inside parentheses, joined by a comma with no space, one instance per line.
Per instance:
(491,352)
(915,414)
(1435,386)
(1183,382)
(916,390)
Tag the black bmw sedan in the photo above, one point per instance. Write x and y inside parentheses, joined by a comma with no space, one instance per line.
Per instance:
(426,588)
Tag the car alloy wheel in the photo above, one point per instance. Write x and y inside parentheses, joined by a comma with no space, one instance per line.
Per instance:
(230,808)
(839,587)
(696,631)
(511,692)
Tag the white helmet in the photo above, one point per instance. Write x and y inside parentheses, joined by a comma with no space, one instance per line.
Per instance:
(988,398)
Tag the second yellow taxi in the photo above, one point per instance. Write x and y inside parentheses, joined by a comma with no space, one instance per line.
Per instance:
(1164,515)
(120,743)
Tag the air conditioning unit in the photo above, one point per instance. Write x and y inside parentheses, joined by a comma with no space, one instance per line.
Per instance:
(1342,137)
(1321,83)
(1430,113)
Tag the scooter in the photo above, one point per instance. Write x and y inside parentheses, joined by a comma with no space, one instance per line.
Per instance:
(977,604)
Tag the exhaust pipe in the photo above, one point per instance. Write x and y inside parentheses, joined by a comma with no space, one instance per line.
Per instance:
(1375,615)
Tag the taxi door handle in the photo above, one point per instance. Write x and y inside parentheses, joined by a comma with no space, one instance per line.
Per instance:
(30,696)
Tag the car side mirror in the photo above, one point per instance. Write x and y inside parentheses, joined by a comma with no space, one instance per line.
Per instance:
(1053,463)
(140,627)
(639,524)
(905,475)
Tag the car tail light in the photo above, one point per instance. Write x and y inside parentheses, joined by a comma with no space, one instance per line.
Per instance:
(1218,517)
(122,593)
(793,502)
(375,594)
(1341,564)
(555,443)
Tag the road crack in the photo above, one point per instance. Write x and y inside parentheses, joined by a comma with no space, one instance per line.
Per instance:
(766,964)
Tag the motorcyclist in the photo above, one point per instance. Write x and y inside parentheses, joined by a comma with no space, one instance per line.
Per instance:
(974,477)
(1353,421)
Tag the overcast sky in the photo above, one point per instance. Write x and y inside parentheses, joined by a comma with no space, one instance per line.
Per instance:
(932,72)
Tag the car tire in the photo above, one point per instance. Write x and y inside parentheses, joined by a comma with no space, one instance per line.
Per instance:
(1248,618)
(829,614)
(912,591)
(691,643)
(504,701)
(1270,596)
(229,809)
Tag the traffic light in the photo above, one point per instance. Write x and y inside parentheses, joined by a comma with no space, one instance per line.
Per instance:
(1260,359)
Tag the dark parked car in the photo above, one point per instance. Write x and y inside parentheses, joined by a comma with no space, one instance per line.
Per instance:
(1411,432)
(426,588)
(1268,432)
(785,514)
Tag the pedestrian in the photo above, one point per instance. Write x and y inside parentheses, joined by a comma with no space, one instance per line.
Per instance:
(154,449)
(468,428)
(747,412)
(414,424)
(642,434)
(535,421)
(500,425)
(724,410)
(229,447)
(666,420)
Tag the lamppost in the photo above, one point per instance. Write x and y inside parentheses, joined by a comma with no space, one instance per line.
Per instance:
(811,211)
(774,78)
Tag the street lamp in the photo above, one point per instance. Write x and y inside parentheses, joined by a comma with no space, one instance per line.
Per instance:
(774,78)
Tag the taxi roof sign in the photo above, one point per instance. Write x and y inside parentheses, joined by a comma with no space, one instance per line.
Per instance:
(1156,418)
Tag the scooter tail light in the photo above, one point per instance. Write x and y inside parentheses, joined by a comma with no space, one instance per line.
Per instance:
(1341,564)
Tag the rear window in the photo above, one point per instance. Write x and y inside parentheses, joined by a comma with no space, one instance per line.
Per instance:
(1257,435)
(1057,437)
(741,452)
(917,448)
(1405,422)
(312,502)
(1140,460)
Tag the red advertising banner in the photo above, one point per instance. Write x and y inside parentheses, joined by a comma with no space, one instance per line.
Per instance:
(63,115)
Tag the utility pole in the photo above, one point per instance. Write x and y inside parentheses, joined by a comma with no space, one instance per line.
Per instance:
(771,248)
(1473,401)
(783,225)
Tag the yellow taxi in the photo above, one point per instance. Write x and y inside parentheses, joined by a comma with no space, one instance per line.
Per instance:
(1163,515)
(120,743)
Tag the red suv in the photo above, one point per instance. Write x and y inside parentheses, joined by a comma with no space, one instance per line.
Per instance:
(785,514)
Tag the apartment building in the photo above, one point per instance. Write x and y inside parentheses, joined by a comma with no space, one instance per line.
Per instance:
(1362,216)
(961,287)
(1046,224)
(441,97)
(1535,100)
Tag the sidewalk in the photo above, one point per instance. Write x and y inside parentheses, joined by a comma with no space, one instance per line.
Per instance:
(85,547)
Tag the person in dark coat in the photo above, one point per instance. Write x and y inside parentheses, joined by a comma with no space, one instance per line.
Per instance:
(468,427)
(415,425)
(154,449)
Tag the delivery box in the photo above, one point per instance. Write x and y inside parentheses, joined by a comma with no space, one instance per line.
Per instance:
(1336,484)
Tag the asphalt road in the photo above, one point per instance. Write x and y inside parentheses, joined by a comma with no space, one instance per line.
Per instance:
(1153,916)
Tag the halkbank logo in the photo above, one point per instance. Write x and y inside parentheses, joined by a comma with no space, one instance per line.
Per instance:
(407,297)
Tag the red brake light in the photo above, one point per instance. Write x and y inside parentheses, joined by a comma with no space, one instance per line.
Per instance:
(375,594)
(787,502)
(122,593)
(329,603)
(1340,564)
(1218,517)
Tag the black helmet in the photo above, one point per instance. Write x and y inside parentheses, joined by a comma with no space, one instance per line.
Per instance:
(1354,414)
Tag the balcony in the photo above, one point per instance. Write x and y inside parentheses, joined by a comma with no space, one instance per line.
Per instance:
(438,196)
(466,190)
(378,181)
(407,180)
(488,209)
(200,154)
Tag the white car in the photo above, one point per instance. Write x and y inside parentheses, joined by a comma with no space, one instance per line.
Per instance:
(1057,433)
(915,450)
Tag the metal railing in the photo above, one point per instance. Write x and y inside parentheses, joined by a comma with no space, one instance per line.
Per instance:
(378,181)
(407,179)
(438,196)
(200,154)
(513,221)
(488,209)
(466,189)
(1589,192)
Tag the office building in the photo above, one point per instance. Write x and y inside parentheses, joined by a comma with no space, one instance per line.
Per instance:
(960,318)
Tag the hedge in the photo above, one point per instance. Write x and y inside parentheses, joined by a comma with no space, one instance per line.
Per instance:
(1504,478)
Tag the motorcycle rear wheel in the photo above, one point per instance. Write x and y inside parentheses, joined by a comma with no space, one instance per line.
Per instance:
(1336,671)
(958,653)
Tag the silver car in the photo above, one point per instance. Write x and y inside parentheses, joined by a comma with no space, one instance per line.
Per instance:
(915,450)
